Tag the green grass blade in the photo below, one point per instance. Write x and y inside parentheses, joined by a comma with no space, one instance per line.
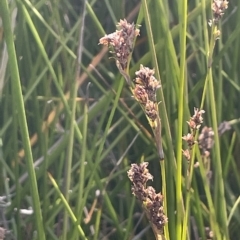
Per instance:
(19,106)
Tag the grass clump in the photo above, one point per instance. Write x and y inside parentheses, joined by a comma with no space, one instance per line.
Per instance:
(72,135)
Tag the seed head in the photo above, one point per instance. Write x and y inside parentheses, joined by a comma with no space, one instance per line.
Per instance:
(206,141)
(121,42)
(152,201)
(145,78)
(218,8)
(154,207)
(189,138)
(140,94)
(196,120)
(139,175)
(151,110)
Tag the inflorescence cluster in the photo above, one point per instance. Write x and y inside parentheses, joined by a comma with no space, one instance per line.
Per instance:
(194,124)
(145,85)
(152,201)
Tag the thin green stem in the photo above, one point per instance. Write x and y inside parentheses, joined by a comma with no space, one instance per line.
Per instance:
(19,107)
(164,191)
(219,191)
(219,198)
(67,207)
(83,157)
(73,96)
(213,220)
(188,195)
(183,32)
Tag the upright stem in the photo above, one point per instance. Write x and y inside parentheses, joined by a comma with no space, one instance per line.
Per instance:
(19,107)
(183,31)
(164,192)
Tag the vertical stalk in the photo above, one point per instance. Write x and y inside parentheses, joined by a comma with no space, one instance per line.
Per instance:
(73,97)
(19,107)
(164,191)
(183,31)
(219,198)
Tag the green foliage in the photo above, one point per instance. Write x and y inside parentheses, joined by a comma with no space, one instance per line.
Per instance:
(59,87)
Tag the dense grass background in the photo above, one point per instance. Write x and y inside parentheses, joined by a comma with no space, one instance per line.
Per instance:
(85,129)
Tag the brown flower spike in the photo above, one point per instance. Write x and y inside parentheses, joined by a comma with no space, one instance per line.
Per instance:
(144,92)
(145,78)
(139,175)
(196,120)
(194,124)
(145,85)
(206,141)
(218,8)
(121,42)
(152,201)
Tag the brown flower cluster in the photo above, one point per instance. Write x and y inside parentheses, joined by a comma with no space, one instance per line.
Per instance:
(139,175)
(145,89)
(218,8)
(121,42)
(145,84)
(196,120)
(194,124)
(152,201)
(144,92)
(206,141)
(154,208)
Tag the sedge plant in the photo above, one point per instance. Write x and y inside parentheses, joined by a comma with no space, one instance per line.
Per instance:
(72,135)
